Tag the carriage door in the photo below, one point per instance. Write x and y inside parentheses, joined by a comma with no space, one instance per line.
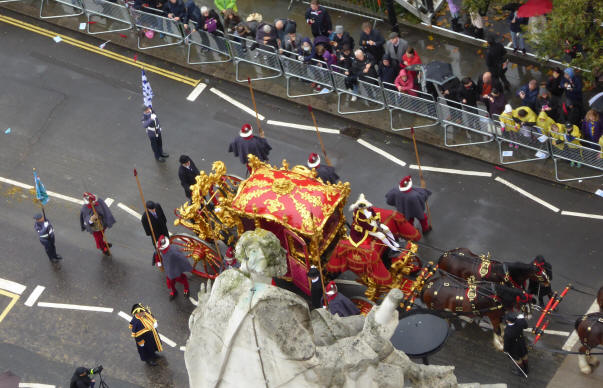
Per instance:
(297,260)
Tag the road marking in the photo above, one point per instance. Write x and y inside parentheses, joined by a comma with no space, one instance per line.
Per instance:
(526,194)
(75,307)
(573,338)
(585,215)
(183,348)
(33,297)
(128,210)
(109,201)
(124,316)
(381,152)
(304,127)
(14,299)
(451,170)
(235,103)
(35,385)
(13,287)
(65,197)
(95,49)
(15,183)
(196,92)
(167,340)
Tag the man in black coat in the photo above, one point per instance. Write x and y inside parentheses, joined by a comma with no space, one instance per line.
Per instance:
(246,144)
(340,39)
(81,378)
(187,172)
(175,10)
(515,342)
(315,288)
(467,94)
(158,220)
(371,41)
(319,20)
(496,59)
(324,172)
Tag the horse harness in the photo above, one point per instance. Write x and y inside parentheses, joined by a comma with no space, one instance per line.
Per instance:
(593,320)
(471,293)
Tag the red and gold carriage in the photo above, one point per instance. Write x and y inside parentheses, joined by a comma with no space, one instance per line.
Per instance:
(306,215)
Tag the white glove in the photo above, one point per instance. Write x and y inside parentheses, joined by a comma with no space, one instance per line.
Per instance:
(159,264)
(155,325)
(520,316)
(153,116)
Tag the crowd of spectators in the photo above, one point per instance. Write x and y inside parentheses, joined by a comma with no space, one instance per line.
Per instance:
(557,104)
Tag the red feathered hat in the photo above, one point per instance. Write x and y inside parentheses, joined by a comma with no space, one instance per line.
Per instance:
(331,288)
(163,242)
(89,197)
(313,160)
(246,130)
(230,253)
(405,183)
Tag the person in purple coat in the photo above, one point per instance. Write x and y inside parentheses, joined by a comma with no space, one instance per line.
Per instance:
(411,202)
(246,144)
(591,127)
(339,304)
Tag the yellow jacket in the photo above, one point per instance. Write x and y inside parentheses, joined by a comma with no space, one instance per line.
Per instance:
(571,138)
(530,117)
(544,123)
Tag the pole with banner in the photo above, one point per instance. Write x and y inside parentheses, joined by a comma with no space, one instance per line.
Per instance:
(41,194)
(414,142)
(255,108)
(322,145)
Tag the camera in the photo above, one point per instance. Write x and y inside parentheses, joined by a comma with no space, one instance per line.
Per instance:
(96,370)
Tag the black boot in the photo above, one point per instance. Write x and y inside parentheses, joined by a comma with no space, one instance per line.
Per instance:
(525,367)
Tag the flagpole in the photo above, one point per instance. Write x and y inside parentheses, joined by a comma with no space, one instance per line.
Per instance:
(36,188)
(255,108)
(146,211)
(414,142)
(322,145)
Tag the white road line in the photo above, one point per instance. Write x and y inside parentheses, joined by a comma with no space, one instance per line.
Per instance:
(573,338)
(124,316)
(525,193)
(75,307)
(304,127)
(381,152)
(196,91)
(35,385)
(15,183)
(235,103)
(167,340)
(183,348)
(65,197)
(33,297)
(109,201)
(10,286)
(128,210)
(585,215)
(451,170)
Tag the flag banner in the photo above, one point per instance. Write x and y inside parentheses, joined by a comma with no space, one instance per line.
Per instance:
(147,92)
(41,194)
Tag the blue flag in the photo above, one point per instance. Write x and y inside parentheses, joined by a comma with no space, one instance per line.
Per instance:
(41,194)
(147,92)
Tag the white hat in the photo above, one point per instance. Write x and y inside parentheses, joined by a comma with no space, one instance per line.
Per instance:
(361,202)
(508,108)
(405,183)
(163,242)
(313,160)
(246,130)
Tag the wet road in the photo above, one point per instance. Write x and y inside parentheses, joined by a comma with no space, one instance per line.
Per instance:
(75,117)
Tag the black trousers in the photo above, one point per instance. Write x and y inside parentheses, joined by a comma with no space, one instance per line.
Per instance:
(50,248)
(156,145)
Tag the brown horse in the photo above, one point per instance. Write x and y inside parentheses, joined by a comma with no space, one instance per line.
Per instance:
(473,299)
(464,263)
(590,332)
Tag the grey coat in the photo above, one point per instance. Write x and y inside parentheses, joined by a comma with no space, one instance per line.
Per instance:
(104,213)
(175,262)
(396,52)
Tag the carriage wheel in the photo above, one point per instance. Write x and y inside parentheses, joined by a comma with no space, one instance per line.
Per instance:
(365,305)
(206,260)
(232,184)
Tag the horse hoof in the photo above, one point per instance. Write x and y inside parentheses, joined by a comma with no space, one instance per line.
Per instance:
(586,370)
(592,361)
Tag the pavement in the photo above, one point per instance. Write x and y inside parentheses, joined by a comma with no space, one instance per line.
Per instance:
(75,116)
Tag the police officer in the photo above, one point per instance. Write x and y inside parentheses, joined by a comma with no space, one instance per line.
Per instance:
(151,123)
(46,235)
(515,342)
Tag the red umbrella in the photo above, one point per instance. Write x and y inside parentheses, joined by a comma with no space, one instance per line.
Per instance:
(535,8)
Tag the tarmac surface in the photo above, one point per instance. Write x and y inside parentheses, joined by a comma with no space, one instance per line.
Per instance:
(75,116)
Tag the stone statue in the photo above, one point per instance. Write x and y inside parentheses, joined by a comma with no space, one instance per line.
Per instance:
(245,332)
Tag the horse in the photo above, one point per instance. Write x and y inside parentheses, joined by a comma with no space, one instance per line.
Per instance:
(474,299)
(464,263)
(590,332)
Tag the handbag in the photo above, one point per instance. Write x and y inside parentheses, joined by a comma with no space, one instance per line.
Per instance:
(212,25)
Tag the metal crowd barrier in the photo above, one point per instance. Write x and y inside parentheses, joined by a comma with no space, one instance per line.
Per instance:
(531,138)
(148,21)
(469,118)
(110,10)
(369,91)
(586,153)
(422,105)
(293,68)
(248,51)
(214,42)
(77,4)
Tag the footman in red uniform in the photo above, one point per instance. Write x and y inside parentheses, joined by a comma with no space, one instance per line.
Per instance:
(246,144)
(411,202)
(96,223)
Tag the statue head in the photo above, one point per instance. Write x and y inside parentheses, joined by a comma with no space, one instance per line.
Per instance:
(260,253)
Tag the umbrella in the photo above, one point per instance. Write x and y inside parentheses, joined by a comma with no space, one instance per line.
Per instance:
(597,102)
(9,380)
(438,72)
(535,8)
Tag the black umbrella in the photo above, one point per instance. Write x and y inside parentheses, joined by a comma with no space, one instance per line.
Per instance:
(438,72)
(9,380)
(420,334)
(597,102)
